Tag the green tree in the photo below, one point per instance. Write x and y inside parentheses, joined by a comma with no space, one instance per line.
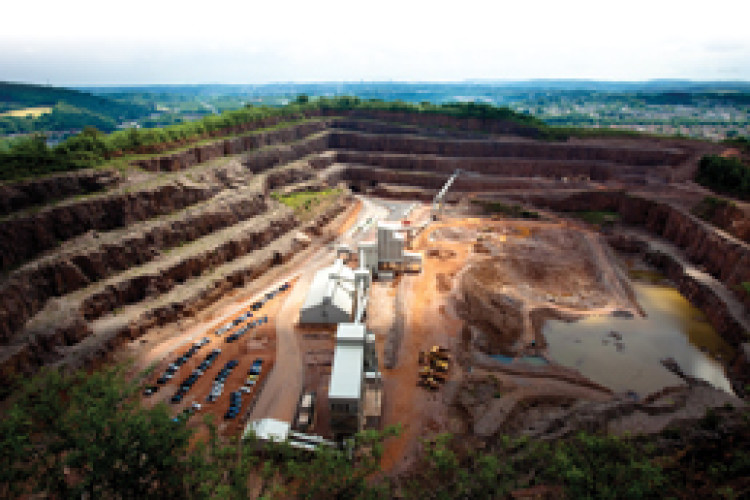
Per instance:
(81,434)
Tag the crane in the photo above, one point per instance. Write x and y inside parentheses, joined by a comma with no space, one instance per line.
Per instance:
(437,202)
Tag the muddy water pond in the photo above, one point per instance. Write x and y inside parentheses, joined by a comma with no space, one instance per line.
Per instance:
(624,353)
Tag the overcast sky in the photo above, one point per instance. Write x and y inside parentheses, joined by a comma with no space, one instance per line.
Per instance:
(81,42)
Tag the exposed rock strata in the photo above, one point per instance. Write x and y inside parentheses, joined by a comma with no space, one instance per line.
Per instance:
(722,255)
(266,158)
(499,166)
(75,341)
(19,195)
(506,148)
(22,238)
(237,145)
(170,271)
(365,177)
(27,290)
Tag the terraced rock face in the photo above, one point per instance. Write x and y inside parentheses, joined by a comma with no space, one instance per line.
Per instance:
(26,194)
(92,258)
(109,254)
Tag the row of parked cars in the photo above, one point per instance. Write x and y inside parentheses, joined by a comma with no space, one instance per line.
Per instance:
(191,379)
(173,367)
(235,405)
(253,374)
(218,386)
(242,331)
(235,398)
(221,377)
(236,321)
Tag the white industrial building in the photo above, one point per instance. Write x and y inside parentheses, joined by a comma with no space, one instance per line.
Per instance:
(337,295)
(355,388)
(279,431)
(388,252)
(331,297)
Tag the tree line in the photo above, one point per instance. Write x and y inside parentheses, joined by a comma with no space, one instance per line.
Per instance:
(30,156)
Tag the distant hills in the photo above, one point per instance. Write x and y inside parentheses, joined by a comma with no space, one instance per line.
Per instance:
(706,109)
(28,108)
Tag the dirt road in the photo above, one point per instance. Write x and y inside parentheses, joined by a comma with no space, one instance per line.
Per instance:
(284,386)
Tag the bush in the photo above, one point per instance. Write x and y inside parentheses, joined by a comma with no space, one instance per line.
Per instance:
(725,175)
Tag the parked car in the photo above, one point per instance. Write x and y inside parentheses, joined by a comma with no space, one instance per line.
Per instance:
(149,390)
(177,397)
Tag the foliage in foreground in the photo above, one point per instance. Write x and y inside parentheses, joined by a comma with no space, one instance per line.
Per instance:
(86,435)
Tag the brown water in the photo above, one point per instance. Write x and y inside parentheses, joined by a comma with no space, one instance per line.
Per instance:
(672,328)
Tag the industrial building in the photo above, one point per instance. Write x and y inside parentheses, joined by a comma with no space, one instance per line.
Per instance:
(388,252)
(333,296)
(338,294)
(278,431)
(354,392)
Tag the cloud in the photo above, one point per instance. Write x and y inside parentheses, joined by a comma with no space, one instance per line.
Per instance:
(79,42)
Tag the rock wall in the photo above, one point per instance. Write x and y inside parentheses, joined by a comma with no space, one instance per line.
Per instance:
(700,295)
(365,177)
(27,289)
(485,307)
(640,156)
(19,195)
(138,288)
(200,154)
(732,218)
(86,342)
(498,166)
(286,176)
(722,255)
(22,238)
(264,159)
(432,120)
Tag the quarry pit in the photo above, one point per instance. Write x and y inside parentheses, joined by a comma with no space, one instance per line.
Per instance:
(160,256)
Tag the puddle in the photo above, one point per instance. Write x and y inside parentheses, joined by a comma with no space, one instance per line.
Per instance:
(529,360)
(623,354)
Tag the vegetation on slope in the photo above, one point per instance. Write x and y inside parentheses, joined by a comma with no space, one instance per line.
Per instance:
(707,208)
(725,175)
(306,203)
(742,143)
(68,109)
(30,157)
(87,435)
(514,211)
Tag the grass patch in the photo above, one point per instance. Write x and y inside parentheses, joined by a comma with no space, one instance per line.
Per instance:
(305,203)
(596,218)
(514,211)
(746,286)
(34,112)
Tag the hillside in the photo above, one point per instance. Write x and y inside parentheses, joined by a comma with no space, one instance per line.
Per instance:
(28,108)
